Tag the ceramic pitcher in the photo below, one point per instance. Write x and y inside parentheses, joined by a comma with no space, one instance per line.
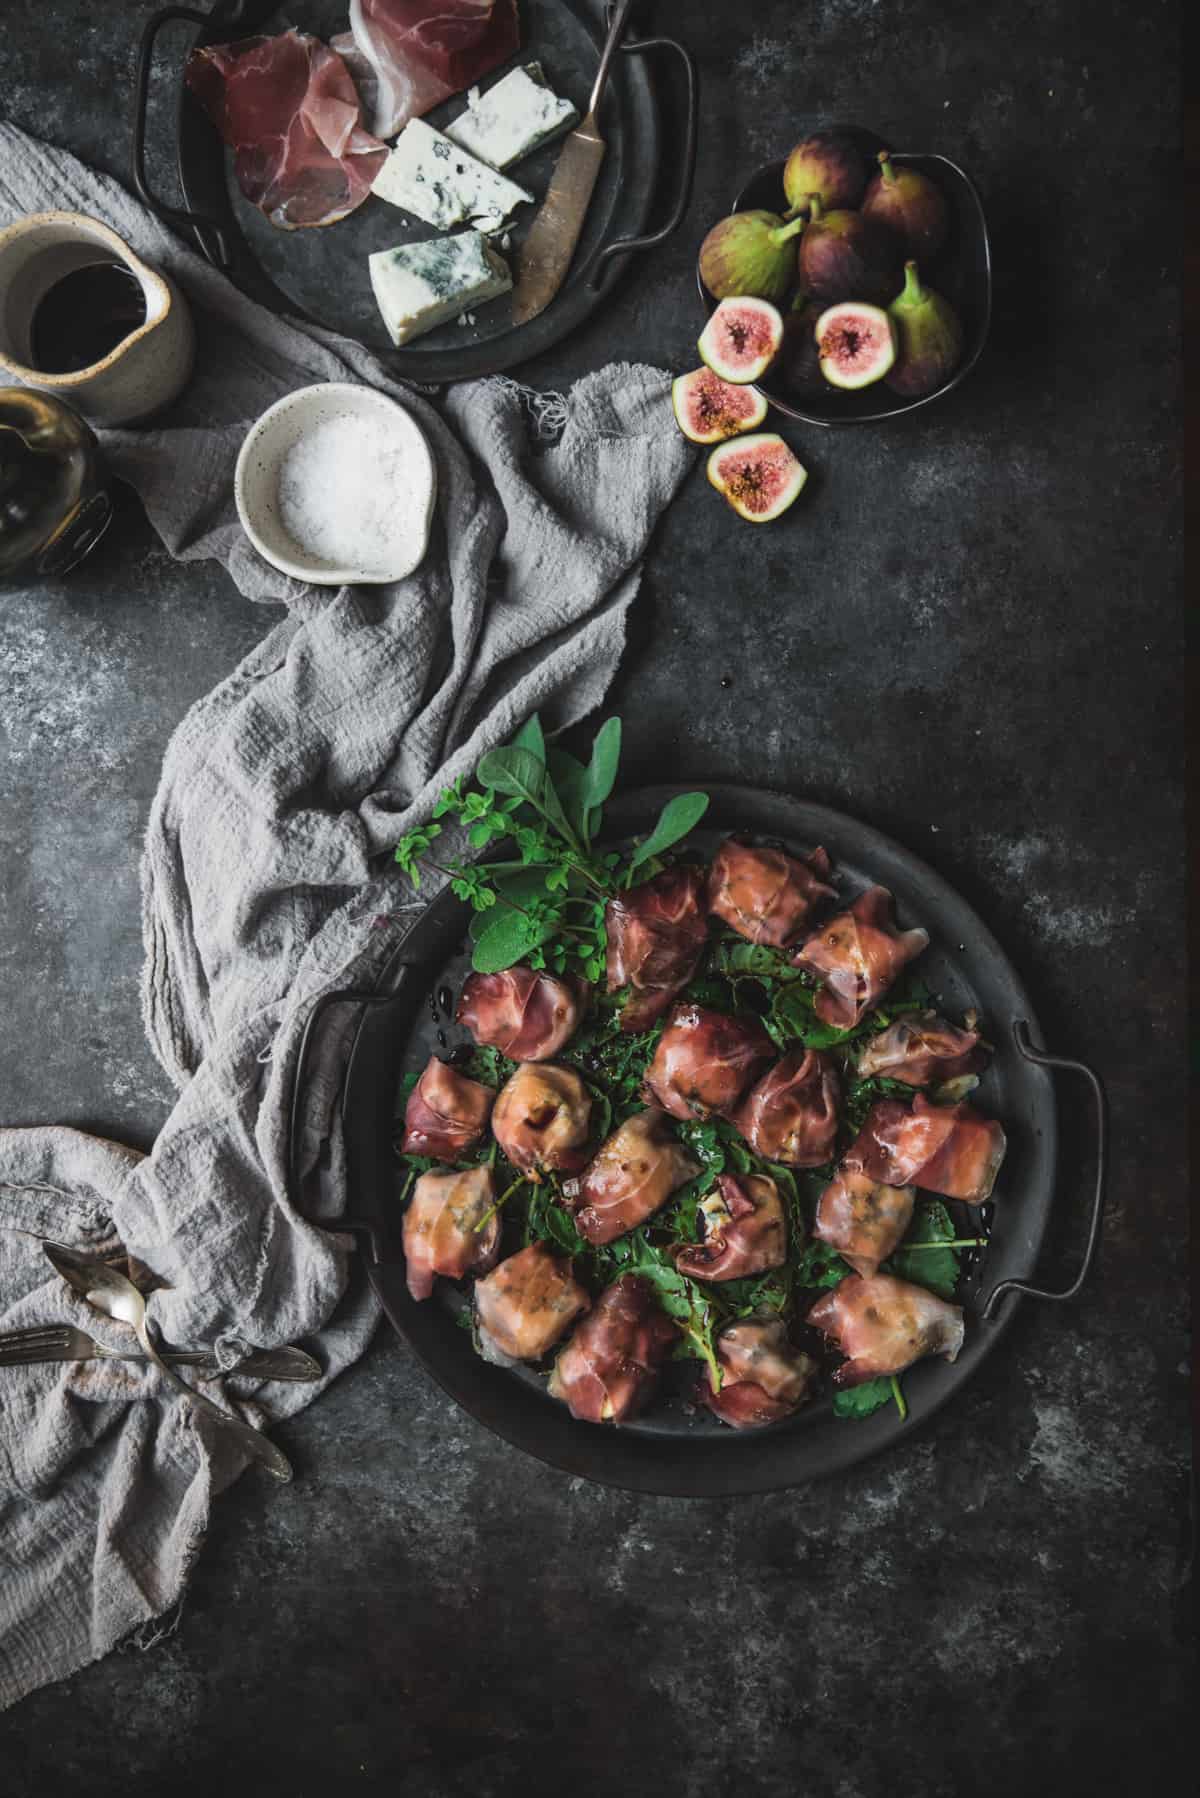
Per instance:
(144,371)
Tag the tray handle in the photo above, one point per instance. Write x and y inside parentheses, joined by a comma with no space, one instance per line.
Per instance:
(624,246)
(208,233)
(1026,1048)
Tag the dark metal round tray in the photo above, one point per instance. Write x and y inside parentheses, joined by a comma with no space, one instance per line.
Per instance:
(674,1449)
(321,275)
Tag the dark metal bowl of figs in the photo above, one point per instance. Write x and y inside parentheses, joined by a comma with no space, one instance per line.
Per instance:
(962,271)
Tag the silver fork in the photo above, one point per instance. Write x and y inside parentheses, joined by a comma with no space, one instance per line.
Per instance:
(62,1342)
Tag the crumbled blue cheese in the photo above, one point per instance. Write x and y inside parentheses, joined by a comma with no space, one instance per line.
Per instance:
(441,183)
(513,118)
(420,285)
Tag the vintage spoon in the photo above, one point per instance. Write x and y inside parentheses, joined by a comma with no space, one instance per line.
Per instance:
(111,1293)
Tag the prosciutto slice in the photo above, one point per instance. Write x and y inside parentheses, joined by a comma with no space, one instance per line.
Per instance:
(704,1062)
(765,1378)
(883,1325)
(863,1219)
(767,896)
(951,1149)
(609,1370)
(441,1228)
(289,110)
(791,1114)
(745,1231)
(445,1114)
(636,1171)
(542,1117)
(921,1049)
(527,1304)
(858,955)
(527,1015)
(656,935)
(409,54)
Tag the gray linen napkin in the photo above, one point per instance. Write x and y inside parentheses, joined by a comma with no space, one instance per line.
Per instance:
(266,880)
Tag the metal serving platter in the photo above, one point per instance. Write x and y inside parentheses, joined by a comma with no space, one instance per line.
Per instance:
(676,1449)
(321,274)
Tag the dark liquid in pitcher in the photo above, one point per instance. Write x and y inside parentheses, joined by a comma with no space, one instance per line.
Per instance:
(84,316)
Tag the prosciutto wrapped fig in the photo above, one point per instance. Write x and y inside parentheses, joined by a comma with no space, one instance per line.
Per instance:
(883,1325)
(863,1219)
(765,1378)
(527,1015)
(704,1062)
(446,1113)
(790,1115)
(636,1171)
(441,1228)
(857,955)
(656,935)
(951,1149)
(609,1370)
(765,895)
(922,1049)
(526,1304)
(745,1231)
(542,1117)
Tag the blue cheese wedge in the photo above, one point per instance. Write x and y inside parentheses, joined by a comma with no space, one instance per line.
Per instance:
(513,118)
(421,285)
(441,183)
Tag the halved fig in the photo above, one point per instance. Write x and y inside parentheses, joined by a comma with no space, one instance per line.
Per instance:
(758,475)
(741,339)
(708,409)
(856,344)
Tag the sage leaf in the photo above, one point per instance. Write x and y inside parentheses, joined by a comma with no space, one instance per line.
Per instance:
(679,816)
(517,772)
(510,935)
(530,737)
(602,769)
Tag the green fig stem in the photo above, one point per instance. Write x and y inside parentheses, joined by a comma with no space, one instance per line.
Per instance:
(885,167)
(782,233)
(913,293)
(814,208)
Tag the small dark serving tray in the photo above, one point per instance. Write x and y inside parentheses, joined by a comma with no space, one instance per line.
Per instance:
(320,275)
(962,271)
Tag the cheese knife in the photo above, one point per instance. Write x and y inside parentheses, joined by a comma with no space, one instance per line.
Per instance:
(555,231)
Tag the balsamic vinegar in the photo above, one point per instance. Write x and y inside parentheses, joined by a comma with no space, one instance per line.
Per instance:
(84,316)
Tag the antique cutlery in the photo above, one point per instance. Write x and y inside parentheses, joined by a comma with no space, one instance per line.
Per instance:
(62,1342)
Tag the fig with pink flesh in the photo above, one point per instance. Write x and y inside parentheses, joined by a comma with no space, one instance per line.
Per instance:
(909,205)
(748,253)
(797,368)
(845,256)
(708,409)
(929,338)
(759,476)
(741,339)
(829,164)
(856,344)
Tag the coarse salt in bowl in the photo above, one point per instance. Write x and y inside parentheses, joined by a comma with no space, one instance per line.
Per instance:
(336,484)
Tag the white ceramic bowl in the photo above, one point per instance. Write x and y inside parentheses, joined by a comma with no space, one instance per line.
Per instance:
(281,427)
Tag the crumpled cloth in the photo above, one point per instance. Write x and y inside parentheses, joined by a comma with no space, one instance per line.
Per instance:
(266,880)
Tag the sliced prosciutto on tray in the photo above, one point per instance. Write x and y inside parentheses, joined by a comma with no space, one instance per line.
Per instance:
(635,1173)
(791,1114)
(883,1325)
(745,1231)
(704,1062)
(863,1219)
(446,1113)
(445,1230)
(921,1049)
(857,955)
(609,1370)
(765,895)
(407,55)
(288,108)
(527,1304)
(528,1016)
(656,934)
(764,1376)
(951,1149)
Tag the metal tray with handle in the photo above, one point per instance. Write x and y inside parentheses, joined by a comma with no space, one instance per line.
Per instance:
(674,1448)
(320,275)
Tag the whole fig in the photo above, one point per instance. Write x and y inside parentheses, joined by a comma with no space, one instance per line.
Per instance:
(828,163)
(929,338)
(747,253)
(798,365)
(909,205)
(845,256)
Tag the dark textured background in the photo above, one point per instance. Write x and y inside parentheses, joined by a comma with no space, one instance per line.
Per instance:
(966,633)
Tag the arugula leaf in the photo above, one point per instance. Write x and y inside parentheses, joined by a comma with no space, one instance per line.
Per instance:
(862,1401)
(936,1268)
(753,958)
(488,1066)
(821,1266)
(549,1221)
(684,1300)
(602,769)
(569,776)
(679,816)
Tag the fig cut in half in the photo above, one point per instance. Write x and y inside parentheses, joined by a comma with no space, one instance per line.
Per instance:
(758,475)
(741,339)
(708,409)
(856,344)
